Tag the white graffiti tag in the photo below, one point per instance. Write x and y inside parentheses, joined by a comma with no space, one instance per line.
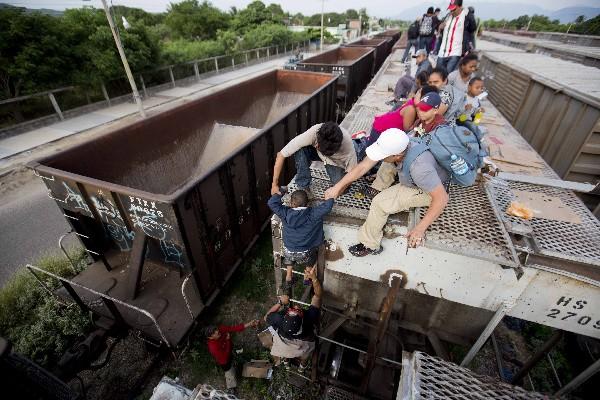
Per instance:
(76,198)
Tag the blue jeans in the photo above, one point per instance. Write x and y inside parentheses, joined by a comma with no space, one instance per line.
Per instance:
(410,43)
(303,158)
(425,43)
(470,125)
(450,63)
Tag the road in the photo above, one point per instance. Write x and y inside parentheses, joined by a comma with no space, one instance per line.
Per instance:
(31,224)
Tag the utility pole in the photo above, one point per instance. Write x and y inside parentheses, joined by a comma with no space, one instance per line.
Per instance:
(136,94)
(322,12)
(529,23)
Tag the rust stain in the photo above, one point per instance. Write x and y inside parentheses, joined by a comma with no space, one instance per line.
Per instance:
(333,252)
(385,277)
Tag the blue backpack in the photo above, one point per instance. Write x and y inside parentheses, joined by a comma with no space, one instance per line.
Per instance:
(443,142)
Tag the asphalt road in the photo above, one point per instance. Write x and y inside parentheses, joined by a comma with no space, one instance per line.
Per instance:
(30,225)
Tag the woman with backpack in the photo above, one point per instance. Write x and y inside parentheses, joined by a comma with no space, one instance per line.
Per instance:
(427,29)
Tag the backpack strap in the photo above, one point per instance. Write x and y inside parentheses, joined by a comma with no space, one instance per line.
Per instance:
(417,147)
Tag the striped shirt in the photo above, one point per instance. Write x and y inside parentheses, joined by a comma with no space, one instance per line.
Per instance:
(452,41)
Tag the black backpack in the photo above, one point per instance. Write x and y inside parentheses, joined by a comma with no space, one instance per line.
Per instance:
(413,31)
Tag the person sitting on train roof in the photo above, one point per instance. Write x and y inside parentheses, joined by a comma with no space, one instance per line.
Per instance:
(218,340)
(422,60)
(402,118)
(302,227)
(453,100)
(473,111)
(460,77)
(326,142)
(421,186)
(295,326)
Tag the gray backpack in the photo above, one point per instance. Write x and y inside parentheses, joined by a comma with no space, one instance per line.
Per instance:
(426,26)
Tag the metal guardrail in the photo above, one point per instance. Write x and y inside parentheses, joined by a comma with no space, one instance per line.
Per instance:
(174,72)
(68,285)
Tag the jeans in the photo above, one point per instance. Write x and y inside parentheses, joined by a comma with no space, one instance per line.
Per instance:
(438,44)
(450,63)
(303,158)
(425,43)
(470,125)
(410,43)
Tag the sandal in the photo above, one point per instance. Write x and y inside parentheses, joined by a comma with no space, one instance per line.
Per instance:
(369,192)
(360,250)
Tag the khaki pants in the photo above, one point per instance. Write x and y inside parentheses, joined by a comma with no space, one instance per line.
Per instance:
(390,200)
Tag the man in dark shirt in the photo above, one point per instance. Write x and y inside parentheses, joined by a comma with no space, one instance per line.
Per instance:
(295,327)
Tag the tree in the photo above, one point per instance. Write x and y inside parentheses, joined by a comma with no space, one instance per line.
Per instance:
(93,48)
(33,55)
(351,14)
(197,21)
(579,19)
(254,15)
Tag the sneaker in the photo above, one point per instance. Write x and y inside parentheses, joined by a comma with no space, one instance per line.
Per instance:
(360,250)
(369,192)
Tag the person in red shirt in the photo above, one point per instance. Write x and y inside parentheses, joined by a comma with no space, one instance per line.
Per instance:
(218,339)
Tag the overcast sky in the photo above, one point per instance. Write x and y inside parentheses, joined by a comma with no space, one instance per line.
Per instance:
(380,8)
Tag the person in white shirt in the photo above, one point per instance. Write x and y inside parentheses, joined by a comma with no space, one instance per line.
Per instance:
(451,48)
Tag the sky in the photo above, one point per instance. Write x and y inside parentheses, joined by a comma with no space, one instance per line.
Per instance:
(379,8)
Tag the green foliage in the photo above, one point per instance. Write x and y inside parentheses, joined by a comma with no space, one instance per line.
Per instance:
(256,14)
(589,27)
(541,23)
(192,20)
(38,325)
(267,35)
(32,52)
(183,50)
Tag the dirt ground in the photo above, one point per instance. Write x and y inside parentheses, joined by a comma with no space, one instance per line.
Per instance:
(135,369)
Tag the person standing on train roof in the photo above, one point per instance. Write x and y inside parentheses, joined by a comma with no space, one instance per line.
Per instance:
(451,48)
(326,142)
(436,36)
(453,100)
(427,29)
(460,77)
(412,39)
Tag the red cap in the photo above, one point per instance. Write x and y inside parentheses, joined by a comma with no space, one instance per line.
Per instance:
(452,5)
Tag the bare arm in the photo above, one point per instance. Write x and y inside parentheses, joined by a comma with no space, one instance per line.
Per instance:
(443,108)
(439,199)
(355,173)
(276,172)
(311,273)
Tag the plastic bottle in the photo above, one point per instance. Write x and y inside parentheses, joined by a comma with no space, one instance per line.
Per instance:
(477,117)
(458,165)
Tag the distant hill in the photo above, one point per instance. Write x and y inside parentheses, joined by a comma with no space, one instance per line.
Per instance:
(47,11)
(509,11)
(569,14)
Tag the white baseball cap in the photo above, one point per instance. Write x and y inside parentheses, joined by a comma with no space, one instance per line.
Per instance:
(390,143)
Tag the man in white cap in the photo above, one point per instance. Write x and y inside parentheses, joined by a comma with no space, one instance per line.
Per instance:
(422,186)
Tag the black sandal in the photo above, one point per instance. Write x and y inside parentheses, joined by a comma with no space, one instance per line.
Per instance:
(369,192)
(360,250)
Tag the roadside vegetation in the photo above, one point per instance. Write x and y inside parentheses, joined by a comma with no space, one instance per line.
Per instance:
(40,52)
(541,23)
(39,326)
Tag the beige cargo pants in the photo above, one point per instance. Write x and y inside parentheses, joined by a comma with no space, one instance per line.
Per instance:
(390,200)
